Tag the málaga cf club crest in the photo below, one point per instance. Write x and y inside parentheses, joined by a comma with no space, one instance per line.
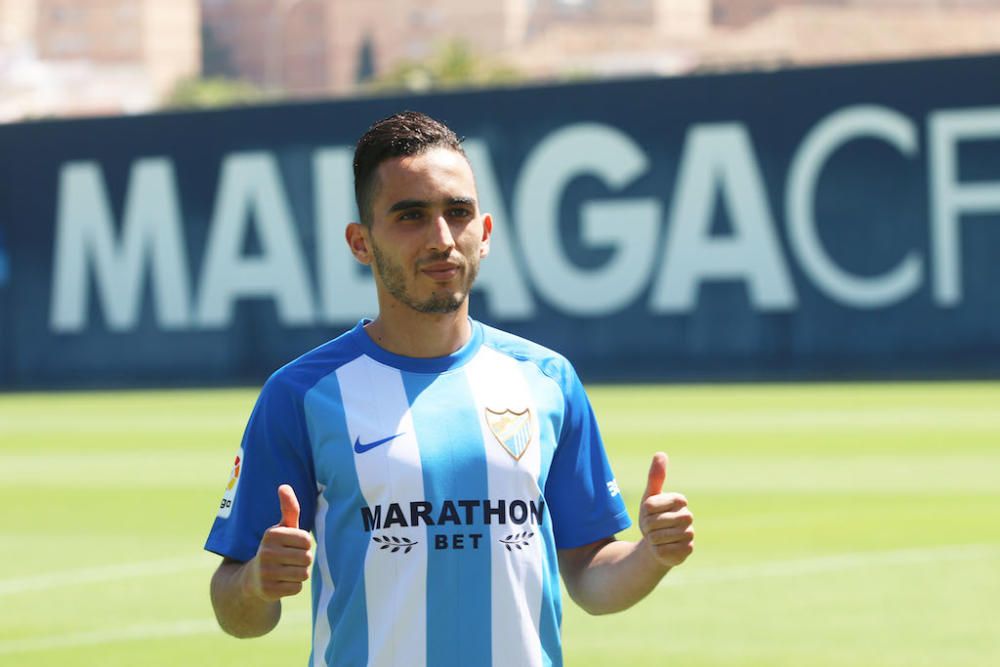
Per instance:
(511,429)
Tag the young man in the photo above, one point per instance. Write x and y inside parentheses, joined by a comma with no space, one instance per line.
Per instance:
(450,471)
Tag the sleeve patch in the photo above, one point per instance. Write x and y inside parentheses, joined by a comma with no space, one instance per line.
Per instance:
(229,495)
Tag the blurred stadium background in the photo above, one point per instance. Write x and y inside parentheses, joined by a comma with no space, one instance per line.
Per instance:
(71,58)
(766,231)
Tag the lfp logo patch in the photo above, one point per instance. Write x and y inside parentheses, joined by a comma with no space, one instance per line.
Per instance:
(226,506)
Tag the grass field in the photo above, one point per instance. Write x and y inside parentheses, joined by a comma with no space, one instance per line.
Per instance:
(837,525)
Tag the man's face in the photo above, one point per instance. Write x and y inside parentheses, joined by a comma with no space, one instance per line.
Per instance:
(427,234)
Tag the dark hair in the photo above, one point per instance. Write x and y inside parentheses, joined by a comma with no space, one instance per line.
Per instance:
(402,134)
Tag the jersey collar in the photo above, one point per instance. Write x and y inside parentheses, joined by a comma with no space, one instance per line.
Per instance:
(456,359)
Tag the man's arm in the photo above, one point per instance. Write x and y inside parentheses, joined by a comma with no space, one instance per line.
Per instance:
(608,575)
(239,612)
(246,596)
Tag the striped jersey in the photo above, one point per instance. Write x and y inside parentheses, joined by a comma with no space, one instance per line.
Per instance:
(438,491)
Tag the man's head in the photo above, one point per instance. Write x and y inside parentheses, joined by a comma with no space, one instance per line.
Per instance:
(400,135)
(421,229)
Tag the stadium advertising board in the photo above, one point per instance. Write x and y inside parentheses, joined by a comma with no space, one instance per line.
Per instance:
(808,223)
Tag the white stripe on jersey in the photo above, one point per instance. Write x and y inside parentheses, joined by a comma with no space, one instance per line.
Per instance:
(376,407)
(321,623)
(498,383)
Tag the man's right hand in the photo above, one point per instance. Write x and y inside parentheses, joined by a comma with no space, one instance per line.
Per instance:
(283,557)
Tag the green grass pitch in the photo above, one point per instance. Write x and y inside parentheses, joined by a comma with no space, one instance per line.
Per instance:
(837,525)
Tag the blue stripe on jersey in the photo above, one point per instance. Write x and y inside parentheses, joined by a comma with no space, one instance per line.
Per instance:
(347,612)
(454,468)
(551,611)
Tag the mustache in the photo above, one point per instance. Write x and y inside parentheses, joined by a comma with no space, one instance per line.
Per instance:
(433,258)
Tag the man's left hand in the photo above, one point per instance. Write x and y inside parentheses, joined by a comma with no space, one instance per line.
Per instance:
(665,520)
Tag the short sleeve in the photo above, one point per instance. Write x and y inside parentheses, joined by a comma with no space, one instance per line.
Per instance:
(275,450)
(581,492)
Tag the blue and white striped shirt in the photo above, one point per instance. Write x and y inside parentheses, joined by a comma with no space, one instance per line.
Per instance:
(438,491)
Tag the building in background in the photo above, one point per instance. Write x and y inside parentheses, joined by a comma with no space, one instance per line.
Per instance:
(17,24)
(308,47)
(607,38)
(330,47)
(817,32)
(279,45)
(73,57)
(408,31)
(664,37)
(740,13)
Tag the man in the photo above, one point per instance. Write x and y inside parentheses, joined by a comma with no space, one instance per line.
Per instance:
(450,472)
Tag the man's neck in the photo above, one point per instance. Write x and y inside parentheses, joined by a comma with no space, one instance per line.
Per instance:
(406,332)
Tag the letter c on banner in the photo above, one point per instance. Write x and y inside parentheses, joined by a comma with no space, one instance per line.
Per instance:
(830,134)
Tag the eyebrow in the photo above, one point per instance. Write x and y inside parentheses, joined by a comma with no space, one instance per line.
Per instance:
(405,204)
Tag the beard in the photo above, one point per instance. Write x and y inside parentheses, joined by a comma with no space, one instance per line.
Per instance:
(393,278)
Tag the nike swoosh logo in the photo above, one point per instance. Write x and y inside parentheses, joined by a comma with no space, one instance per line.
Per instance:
(361,448)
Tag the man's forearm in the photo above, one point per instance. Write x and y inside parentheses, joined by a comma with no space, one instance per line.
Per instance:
(611,577)
(240,613)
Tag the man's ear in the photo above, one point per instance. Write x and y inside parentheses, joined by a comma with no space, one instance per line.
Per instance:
(484,249)
(356,235)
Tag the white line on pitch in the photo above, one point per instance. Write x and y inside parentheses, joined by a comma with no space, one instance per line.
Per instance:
(839,562)
(706,576)
(100,574)
(142,632)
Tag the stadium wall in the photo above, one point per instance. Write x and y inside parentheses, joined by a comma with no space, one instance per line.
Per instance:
(838,222)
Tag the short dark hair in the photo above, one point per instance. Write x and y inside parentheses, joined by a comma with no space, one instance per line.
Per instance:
(402,134)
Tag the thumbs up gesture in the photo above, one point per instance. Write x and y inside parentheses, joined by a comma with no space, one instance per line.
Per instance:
(283,557)
(664,518)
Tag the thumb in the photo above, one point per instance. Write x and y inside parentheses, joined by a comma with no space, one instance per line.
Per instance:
(657,475)
(289,506)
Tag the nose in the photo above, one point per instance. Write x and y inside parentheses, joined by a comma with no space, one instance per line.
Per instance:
(439,235)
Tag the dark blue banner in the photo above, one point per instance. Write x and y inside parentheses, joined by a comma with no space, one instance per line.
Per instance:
(839,222)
